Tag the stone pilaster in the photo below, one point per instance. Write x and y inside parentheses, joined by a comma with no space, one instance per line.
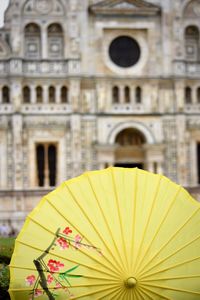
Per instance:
(17,126)
(76,144)
(170,162)
(74,95)
(16,95)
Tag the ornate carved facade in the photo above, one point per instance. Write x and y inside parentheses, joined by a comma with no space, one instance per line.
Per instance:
(85,84)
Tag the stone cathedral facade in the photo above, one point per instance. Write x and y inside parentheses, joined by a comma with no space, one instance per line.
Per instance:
(87,84)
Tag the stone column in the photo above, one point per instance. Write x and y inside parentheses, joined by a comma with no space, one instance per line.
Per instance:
(133,96)
(150,166)
(44,43)
(121,95)
(194,96)
(45,94)
(46,169)
(33,94)
(0,94)
(58,94)
(159,167)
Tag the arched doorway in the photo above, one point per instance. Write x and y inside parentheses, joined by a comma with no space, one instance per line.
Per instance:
(130,152)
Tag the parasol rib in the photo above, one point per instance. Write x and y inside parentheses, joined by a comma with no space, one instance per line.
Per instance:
(98,233)
(171,238)
(95,292)
(87,253)
(121,295)
(171,278)
(107,225)
(120,219)
(85,276)
(159,227)
(155,293)
(147,223)
(145,294)
(174,253)
(172,267)
(114,293)
(173,289)
(134,220)
(63,257)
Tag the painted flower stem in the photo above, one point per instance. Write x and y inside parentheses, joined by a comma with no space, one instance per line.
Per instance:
(38,265)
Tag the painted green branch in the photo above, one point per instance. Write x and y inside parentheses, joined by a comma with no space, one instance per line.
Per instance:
(43,281)
(38,265)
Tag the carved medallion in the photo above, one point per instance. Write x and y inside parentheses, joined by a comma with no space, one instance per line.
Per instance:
(44,6)
(196,9)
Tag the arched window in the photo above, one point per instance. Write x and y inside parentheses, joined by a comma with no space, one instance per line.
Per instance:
(192,43)
(130,151)
(127,94)
(40,155)
(138,95)
(115,94)
(55,41)
(46,161)
(188,95)
(52,164)
(26,94)
(52,94)
(39,94)
(32,35)
(64,94)
(130,137)
(198,95)
(5,94)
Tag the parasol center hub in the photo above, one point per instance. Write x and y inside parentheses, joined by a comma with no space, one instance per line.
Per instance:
(130,282)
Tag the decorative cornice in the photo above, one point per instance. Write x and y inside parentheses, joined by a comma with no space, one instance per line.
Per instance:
(124,7)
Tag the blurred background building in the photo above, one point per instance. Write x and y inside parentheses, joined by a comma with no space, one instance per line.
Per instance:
(87,84)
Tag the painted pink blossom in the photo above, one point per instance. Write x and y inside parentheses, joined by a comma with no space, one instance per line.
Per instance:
(67,231)
(77,241)
(38,293)
(30,279)
(54,265)
(58,285)
(71,296)
(62,243)
(50,279)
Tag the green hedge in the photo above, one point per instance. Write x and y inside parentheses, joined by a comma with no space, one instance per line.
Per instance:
(6,250)
(4,282)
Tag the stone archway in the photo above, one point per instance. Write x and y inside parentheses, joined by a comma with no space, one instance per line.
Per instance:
(130,151)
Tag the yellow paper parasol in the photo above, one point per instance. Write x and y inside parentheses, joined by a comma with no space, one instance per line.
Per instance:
(111,234)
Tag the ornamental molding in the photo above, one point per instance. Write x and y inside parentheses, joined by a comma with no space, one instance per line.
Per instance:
(43,7)
(192,9)
(4,123)
(124,7)
(47,124)
(193,124)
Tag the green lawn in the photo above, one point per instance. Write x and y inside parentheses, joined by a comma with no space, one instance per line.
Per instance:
(6,250)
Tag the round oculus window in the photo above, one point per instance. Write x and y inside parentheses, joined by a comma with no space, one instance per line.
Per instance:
(124,51)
